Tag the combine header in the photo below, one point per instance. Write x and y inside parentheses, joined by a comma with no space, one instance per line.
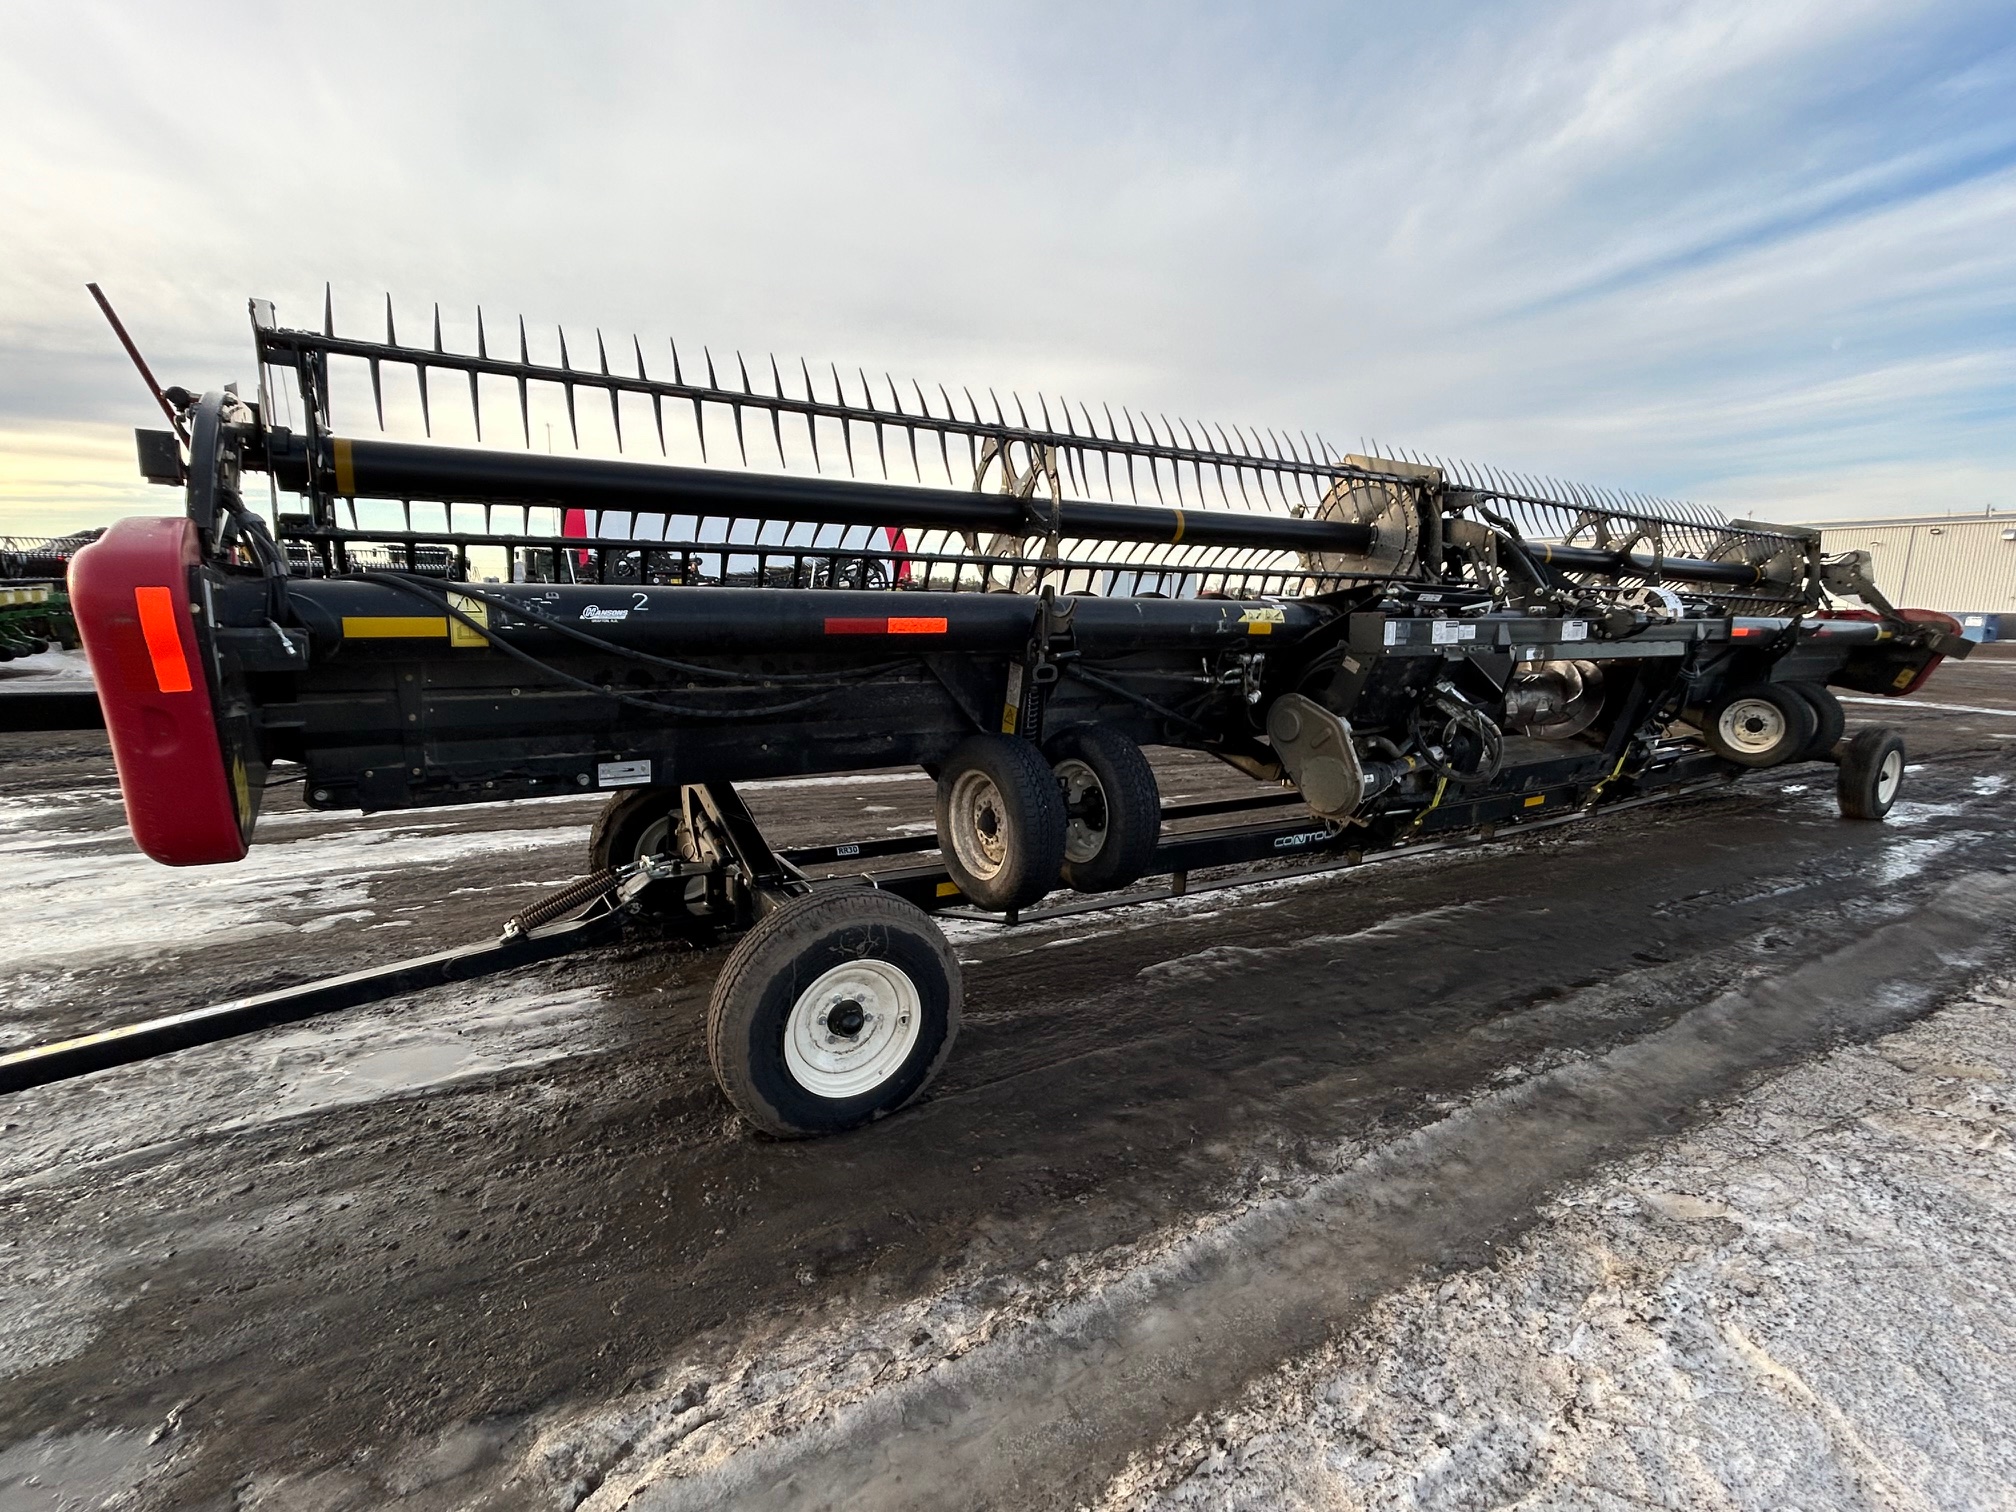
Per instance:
(1017,596)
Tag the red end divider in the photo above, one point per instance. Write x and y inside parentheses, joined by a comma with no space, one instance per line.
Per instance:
(129,590)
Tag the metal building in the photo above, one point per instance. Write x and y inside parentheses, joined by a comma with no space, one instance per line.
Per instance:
(1962,564)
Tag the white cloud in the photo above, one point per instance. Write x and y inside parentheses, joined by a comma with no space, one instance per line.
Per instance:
(1688,246)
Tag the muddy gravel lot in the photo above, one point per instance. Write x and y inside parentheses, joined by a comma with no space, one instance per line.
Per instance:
(1661,1159)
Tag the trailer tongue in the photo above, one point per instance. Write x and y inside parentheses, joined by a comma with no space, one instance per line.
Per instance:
(1398,650)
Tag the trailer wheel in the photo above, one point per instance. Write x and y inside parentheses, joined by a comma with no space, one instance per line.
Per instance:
(635,823)
(1112,806)
(1872,770)
(836,1009)
(647,821)
(1001,821)
(1760,726)
(1832,721)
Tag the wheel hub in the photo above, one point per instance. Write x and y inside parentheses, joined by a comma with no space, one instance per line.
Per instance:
(852,1028)
(1085,811)
(1753,725)
(979,824)
(846,1019)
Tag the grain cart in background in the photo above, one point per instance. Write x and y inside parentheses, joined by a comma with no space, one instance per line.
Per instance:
(1018,598)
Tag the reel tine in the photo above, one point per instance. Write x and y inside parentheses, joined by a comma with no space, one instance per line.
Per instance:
(1134,435)
(736,408)
(1175,467)
(328,311)
(420,371)
(679,378)
(475,396)
(657,399)
(972,446)
(811,428)
(524,398)
(377,381)
(846,425)
(1127,458)
(896,403)
(1000,419)
(777,412)
(573,425)
(1105,456)
(1020,413)
(1196,462)
(615,410)
(944,450)
(868,403)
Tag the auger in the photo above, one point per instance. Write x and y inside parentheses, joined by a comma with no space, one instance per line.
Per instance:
(1017,596)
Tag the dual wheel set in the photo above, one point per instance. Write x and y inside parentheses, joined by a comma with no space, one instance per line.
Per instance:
(840,1004)
(1769,724)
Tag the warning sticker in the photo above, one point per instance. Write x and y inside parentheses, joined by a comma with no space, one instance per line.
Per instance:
(1449,632)
(1262,621)
(1574,630)
(460,631)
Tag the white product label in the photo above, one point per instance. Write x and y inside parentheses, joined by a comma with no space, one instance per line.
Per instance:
(1574,630)
(1449,632)
(602,614)
(1396,633)
(622,773)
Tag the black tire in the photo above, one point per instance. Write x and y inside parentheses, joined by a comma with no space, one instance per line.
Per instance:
(1831,721)
(647,821)
(1112,806)
(637,822)
(1000,821)
(1872,770)
(1762,725)
(772,1030)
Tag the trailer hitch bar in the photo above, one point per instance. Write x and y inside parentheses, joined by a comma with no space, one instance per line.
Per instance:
(524,942)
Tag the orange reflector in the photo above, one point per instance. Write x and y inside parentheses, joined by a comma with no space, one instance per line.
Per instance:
(914,626)
(164,639)
(1742,630)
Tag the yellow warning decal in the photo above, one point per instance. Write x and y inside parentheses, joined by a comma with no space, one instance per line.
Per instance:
(460,634)
(346,469)
(394,626)
(1903,678)
(948,889)
(1262,621)
(1536,800)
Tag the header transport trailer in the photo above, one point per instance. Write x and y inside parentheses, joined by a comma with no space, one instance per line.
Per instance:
(1018,598)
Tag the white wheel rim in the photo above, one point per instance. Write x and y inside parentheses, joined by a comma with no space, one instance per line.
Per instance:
(1754,726)
(979,823)
(1084,832)
(1889,777)
(852,1029)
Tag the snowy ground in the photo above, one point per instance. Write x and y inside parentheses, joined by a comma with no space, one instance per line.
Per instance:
(1809,1302)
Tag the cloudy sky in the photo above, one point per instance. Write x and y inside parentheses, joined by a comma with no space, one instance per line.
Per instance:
(1756,252)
